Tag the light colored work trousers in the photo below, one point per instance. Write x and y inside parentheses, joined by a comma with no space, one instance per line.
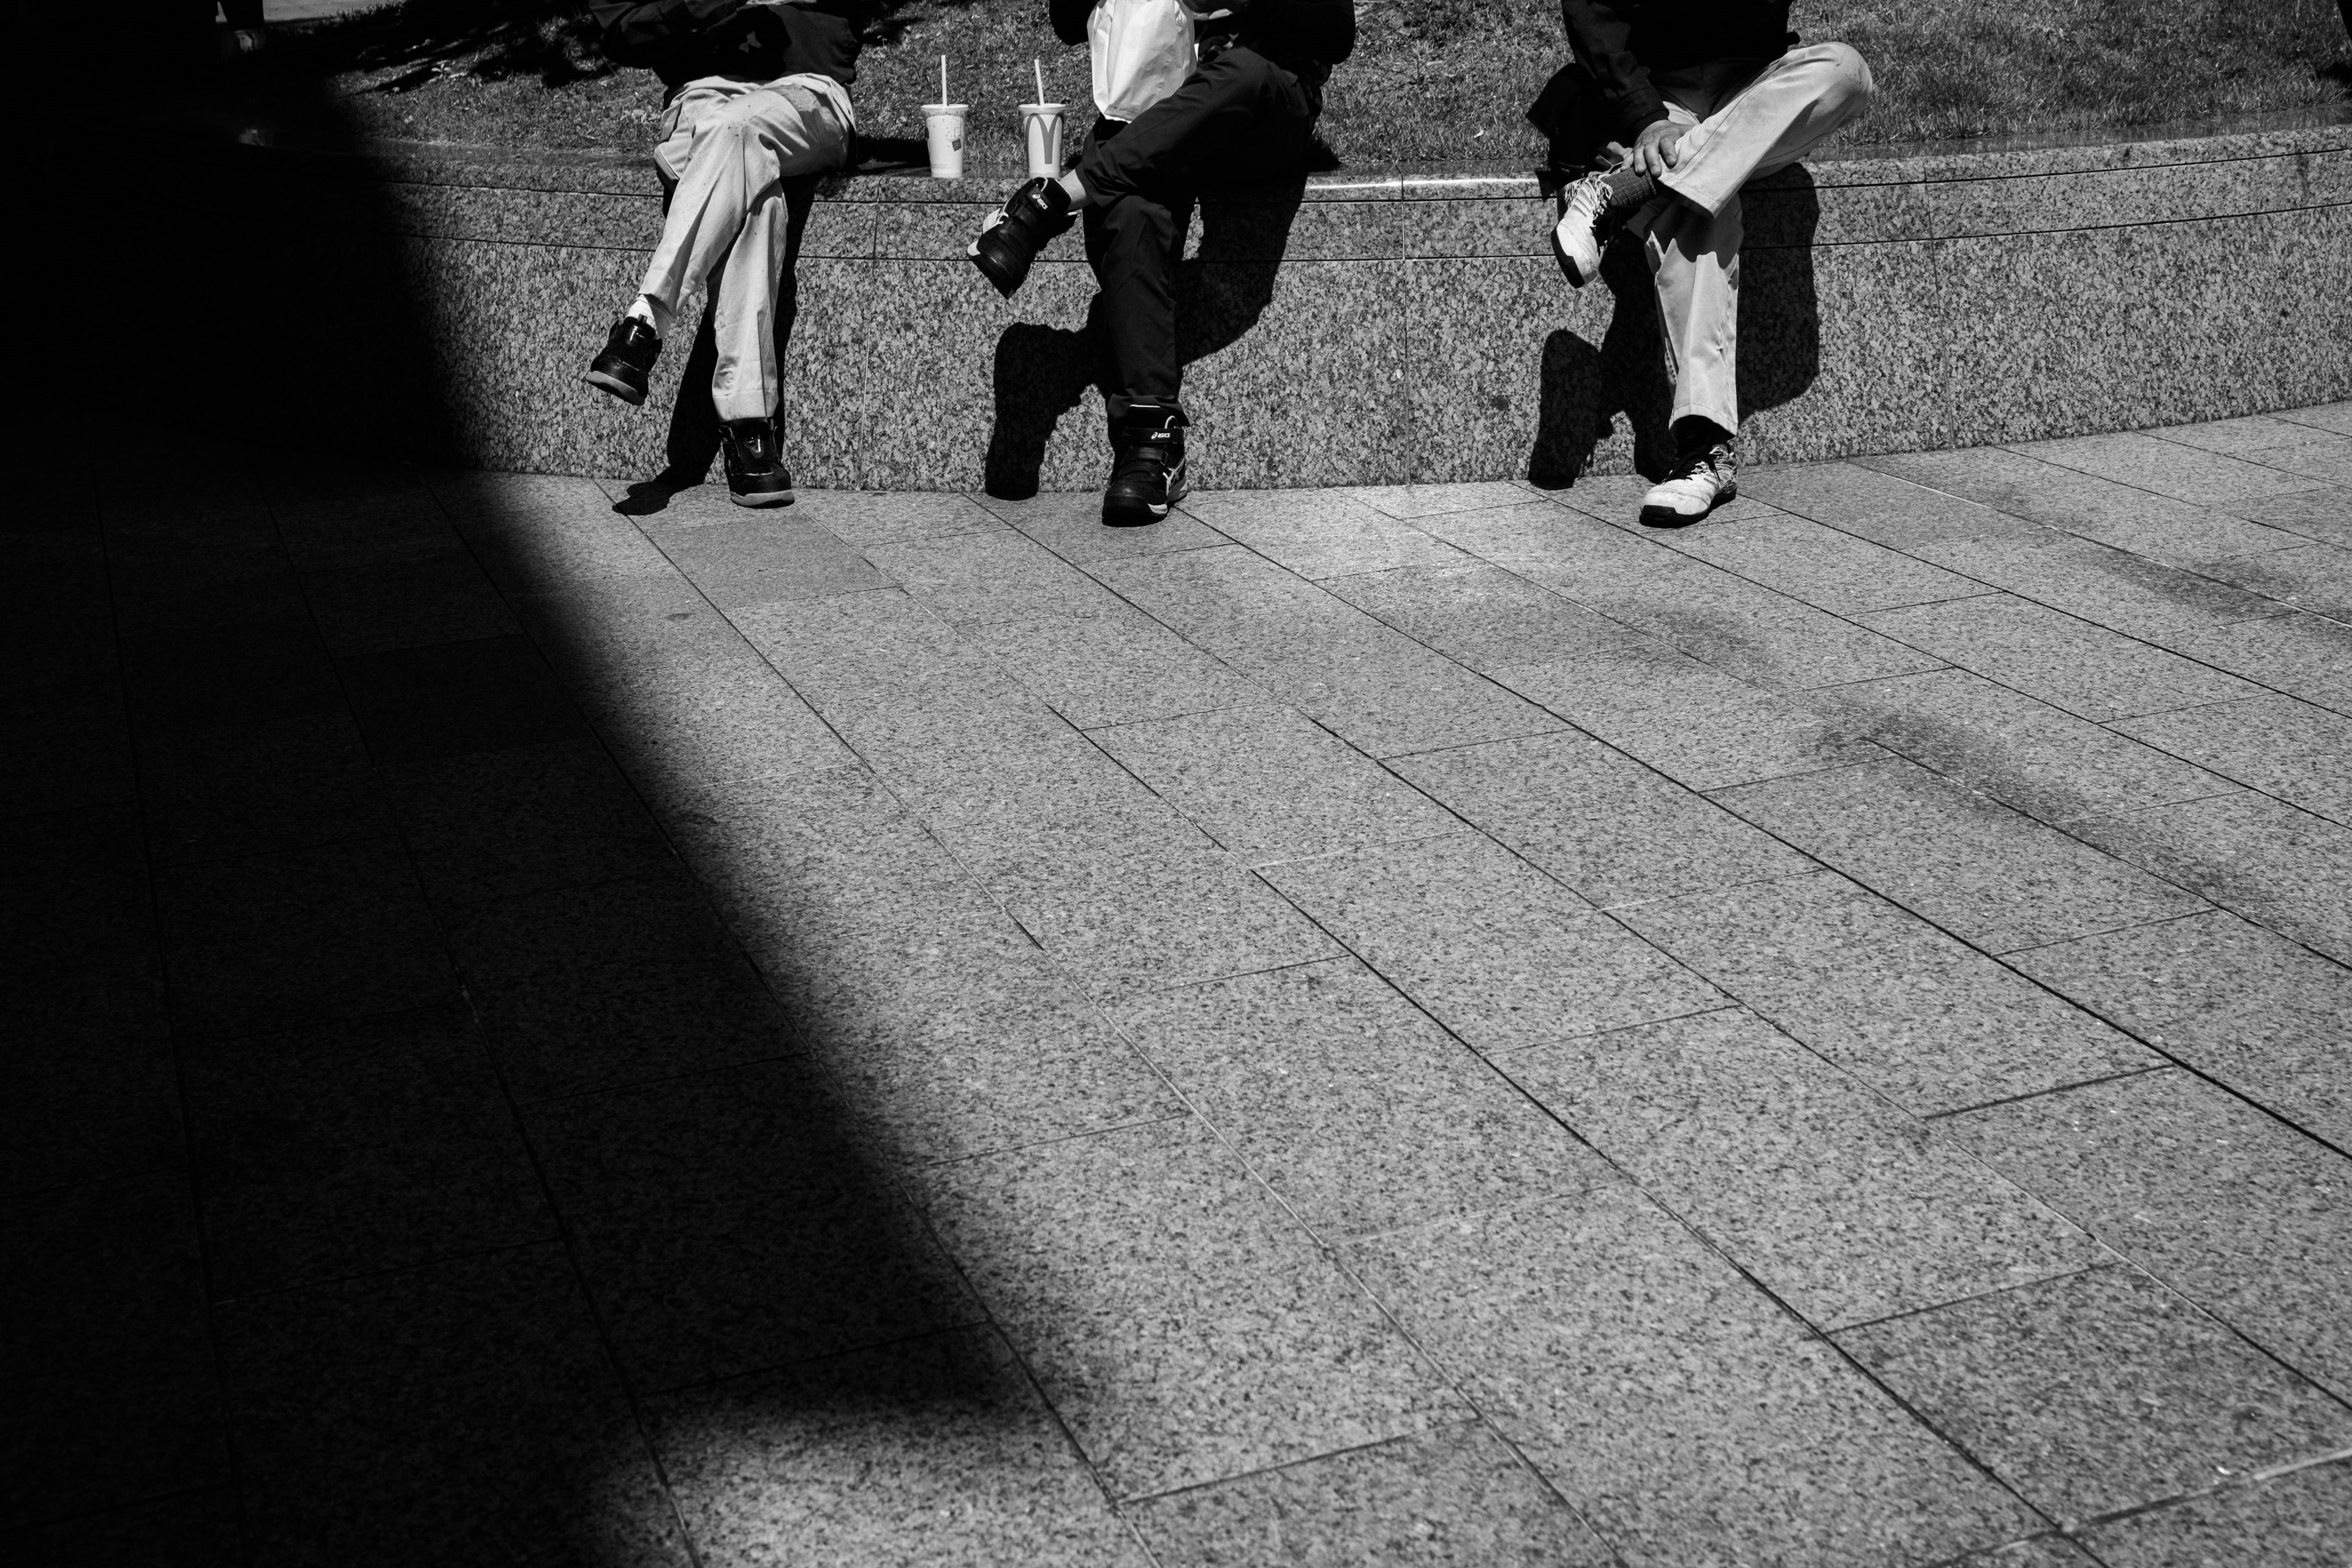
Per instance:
(1742,124)
(730,145)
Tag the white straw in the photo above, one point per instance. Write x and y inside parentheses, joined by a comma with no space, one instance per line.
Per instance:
(943,78)
(1039,66)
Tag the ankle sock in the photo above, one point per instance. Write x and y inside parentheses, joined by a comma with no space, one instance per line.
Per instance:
(653,313)
(1627,189)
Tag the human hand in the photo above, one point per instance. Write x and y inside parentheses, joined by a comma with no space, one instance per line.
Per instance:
(1208,10)
(1658,148)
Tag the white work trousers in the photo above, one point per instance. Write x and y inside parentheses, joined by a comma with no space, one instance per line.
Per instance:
(730,145)
(1740,127)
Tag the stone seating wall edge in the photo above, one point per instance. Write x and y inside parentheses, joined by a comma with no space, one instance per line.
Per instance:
(1392,329)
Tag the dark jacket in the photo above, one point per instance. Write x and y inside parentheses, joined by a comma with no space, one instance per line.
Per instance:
(1309,37)
(680,40)
(1620,43)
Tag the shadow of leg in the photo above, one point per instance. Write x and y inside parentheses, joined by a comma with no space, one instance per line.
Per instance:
(1634,358)
(1040,375)
(1571,415)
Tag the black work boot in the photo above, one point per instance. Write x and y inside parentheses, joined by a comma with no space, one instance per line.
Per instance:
(626,361)
(1147,474)
(756,475)
(1014,236)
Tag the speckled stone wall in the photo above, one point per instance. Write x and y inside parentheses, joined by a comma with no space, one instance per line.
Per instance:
(1374,329)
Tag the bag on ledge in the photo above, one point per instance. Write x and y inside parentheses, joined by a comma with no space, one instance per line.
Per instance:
(1142,49)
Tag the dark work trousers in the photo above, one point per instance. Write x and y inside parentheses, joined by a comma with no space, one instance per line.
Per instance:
(1238,118)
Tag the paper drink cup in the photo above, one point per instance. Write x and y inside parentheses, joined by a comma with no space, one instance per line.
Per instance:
(943,128)
(1041,131)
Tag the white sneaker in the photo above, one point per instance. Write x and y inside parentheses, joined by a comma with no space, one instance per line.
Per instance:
(1579,237)
(1701,481)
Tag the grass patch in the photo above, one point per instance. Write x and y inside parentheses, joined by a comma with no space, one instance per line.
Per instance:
(1431,81)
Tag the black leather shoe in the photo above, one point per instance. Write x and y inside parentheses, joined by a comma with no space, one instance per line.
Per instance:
(1148,468)
(1032,216)
(626,361)
(756,475)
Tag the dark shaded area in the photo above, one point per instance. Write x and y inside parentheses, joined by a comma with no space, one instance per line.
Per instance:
(1585,389)
(396,1138)
(1042,373)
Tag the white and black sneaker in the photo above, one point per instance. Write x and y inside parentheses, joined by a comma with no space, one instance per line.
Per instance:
(1703,477)
(1148,466)
(1592,211)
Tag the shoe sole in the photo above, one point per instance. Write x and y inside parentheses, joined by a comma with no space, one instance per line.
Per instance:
(1576,279)
(616,387)
(992,270)
(760,497)
(1667,517)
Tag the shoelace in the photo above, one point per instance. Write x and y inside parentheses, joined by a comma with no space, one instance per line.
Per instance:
(1708,458)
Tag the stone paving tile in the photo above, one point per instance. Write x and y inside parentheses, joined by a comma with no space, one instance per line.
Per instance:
(2144,461)
(2241,1214)
(354,1149)
(426,594)
(861,519)
(1608,827)
(1178,1322)
(1371,685)
(997,575)
(113,1391)
(2071,664)
(936,1450)
(2099,1393)
(1821,566)
(449,699)
(1709,613)
(1878,507)
(2297,1521)
(1925,1020)
(1110,665)
(80,972)
(1320,533)
(1704,1427)
(1071,526)
(1842,1207)
(1358,1111)
(1413,501)
(2333,416)
(67,746)
(478,1383)
(559,542)
(272,942)
(2298,753)
(2300,655)
(674,689)
(2266,1018)
(583,988)
(731,1221)
(1498,953)
(2268,861)
(740,560)
(2324,514)
(2125,592)
(1270,784)
(2245,437)
(193,1530)
(2162,528)
(2314,578)
(248,674)
(525,820)
(2023,752)
(1700,727)
(1483,617)
(1456,1497)
(2326,457)
(226,791)
(1995,878)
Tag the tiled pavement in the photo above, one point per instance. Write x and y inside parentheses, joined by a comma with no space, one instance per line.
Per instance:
(1387,1027)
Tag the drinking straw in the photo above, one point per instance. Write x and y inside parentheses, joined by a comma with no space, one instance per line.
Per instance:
(943,78)
(1039,66)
